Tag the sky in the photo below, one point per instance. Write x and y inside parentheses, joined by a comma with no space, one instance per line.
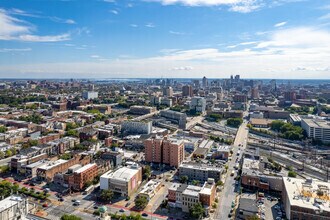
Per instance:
(288,39)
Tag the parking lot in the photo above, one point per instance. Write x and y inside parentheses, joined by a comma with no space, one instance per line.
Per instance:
(270,208)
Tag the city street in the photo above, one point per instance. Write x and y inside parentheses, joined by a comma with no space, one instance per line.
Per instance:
(228,193)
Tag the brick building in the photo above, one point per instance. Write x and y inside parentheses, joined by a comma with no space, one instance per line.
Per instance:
(47,171)
(163,150)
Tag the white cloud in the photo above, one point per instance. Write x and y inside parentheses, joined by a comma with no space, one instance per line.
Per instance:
(280,24)
(114,12)
(36,38)
(185,68)
(95,56)
(242,44)
(150,25)
(134,25)
(301,52)
(243,6)
(6,50)
(61,20)
(325,17)
(177,33)
(15,29)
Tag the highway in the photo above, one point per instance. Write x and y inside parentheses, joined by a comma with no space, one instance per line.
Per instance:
(228,193)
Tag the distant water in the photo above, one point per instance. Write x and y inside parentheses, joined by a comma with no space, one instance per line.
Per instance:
(104,80)
(278,81)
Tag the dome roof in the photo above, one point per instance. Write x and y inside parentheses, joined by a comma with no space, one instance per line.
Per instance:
(103,209)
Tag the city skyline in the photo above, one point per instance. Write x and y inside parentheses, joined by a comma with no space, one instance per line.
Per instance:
(165,38)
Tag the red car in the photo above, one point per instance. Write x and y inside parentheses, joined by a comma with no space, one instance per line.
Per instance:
(45,205)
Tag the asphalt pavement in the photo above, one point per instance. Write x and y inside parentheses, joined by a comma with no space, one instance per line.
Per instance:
(228,193)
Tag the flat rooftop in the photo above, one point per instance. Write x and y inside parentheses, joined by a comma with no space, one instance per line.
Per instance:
(250,166)
(86,167)
(123,174)
(303,193)
(317,123)
(192,191)
(9,202)
(199,166)
(206,144)
(51,164)
(36,164)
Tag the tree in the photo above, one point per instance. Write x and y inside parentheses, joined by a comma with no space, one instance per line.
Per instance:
(290,168)
(71,132)
(322,100)
(141,202)
(71,125)
(253,217)
(106,195)
(234,122)
(70,217)
(197,211)
(4,169)
(292,174)
(219,183)
(195,182)
(276,125)
(2,155)
(146,172)
(9,153)
(66,156)
(3,129)
(184,179)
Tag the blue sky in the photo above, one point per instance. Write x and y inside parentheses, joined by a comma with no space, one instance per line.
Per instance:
(165,38)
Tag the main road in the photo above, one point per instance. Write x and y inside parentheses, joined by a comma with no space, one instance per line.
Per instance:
(228,193)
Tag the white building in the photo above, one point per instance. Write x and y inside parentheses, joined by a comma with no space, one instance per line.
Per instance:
(306,199)
(257,115)
(124,180)
(317,129)
(90,95)
(198,104)
(14,208)
(136,127)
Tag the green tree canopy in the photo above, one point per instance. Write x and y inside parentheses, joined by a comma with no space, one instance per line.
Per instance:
(234,122)
(197,211)
(70,217)
(184,179)
(106,195)
(141,202)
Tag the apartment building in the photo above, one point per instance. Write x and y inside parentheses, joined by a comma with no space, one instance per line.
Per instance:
(185,196)
(163,150)
(150,189)
(198,104)
(83,175)
(240,98)
(201,172)
(187,91)
(141,110)
(176,117)
(136,127)
(48,170)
